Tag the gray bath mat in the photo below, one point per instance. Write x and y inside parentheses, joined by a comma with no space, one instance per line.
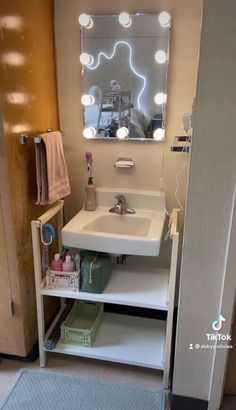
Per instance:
(40,390)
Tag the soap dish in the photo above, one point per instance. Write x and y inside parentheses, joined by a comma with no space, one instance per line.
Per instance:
(124,163)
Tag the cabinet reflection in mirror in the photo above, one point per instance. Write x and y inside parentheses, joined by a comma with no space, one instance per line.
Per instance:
(124,62)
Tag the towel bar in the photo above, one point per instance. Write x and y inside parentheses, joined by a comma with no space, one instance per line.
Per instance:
(24,138)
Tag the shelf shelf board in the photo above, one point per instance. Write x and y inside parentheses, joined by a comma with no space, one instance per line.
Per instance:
(124,339)
(145,287)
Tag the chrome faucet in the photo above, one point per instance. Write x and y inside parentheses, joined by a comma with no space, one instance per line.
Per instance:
(120,208)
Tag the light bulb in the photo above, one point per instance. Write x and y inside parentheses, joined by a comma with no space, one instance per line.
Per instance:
(89,132)
(86,59)
(159,134)
(160,56)
(87,99)
(125,19)
(85,20)
(122,133)
(160,98)
(164,19)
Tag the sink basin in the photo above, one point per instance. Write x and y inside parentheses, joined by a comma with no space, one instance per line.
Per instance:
(130,234)
(120,224)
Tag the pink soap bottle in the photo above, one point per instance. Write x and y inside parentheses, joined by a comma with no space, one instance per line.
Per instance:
(68,265)
(90,199)
(56,263)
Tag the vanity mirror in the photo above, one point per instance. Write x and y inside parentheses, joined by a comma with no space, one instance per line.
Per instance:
(124,63)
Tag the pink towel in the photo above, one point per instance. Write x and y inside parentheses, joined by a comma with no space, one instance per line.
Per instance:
(41,174)
(51,170)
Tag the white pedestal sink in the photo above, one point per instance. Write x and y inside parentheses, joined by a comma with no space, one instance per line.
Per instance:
(100,230)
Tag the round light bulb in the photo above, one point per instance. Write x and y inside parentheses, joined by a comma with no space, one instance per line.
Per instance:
(87,99)
(89,132)
(122,133)
(160,98)
(86,59)
(85,20)
(160,56)
(164,19)
(159,134)
(125,19)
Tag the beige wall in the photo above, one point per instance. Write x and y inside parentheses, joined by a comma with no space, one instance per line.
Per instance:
(185,38)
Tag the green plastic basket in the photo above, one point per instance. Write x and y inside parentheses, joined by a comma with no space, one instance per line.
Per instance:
(81,325)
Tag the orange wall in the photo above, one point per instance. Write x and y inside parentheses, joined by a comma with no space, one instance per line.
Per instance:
(29,104)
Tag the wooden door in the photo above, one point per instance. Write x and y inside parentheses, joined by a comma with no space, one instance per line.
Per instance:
(7,336)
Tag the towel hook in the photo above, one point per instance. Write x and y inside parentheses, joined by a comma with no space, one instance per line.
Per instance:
(47,229)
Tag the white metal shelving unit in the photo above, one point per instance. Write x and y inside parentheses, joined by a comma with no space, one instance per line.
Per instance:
(121,338)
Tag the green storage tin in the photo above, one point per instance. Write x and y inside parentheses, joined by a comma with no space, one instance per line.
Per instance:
(82,323)
(95,272)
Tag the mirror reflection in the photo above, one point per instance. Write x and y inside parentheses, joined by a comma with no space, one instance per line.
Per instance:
(124,75)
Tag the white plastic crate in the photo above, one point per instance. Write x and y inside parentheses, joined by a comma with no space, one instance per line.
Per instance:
(63,280)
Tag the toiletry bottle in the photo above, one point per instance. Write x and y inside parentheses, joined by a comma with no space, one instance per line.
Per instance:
(90,199)
(77,262)
(56,263)
(68,265)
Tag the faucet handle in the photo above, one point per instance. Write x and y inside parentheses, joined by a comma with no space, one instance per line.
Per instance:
(120,198)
